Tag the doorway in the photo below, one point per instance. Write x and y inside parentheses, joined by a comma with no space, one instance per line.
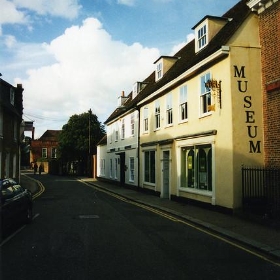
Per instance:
(165,193)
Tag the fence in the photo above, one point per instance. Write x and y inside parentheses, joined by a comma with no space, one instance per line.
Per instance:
(261,191)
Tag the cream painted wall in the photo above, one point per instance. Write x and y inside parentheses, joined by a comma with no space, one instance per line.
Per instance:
(232,143)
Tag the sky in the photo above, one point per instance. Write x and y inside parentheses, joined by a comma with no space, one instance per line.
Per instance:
(75,55)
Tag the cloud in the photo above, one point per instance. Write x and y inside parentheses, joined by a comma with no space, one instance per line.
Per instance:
(13,11)
(90,71)
(127,2)
(179,46)
(10,15)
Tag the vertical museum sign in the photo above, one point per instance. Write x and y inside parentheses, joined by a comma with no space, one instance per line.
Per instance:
(250,122)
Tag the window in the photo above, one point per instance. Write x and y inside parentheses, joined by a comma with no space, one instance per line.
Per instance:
(15,128)
(131,169)
(157,114)
(196,168)
(110,134)
(159,71)
(146,120)
(12,96)
(205,94)
(132,124)
(116,133)
(53,152)
(111,168)
(202,39)
(116,168)
(44,153)
(102,167)
(149,162)
(1,122)
(169,113)
(123,129)
(183,103)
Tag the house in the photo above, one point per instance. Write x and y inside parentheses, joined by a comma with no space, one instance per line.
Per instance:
(200,114)
(121,154)
(269,12)
(10,129)
(44,151)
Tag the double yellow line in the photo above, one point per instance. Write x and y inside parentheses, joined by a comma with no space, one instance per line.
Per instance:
(40,185)
(174,219)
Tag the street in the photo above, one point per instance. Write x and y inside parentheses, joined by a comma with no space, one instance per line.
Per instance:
(81,233)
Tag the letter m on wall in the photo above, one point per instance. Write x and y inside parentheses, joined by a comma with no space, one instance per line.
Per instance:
(255,147)
(239,72)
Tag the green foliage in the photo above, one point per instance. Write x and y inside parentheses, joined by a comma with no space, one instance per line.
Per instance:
(80,136)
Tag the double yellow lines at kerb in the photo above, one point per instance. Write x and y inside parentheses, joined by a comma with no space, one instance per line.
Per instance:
(183,221)
(40,185)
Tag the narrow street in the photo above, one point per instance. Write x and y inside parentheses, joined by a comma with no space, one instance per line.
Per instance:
(81,233)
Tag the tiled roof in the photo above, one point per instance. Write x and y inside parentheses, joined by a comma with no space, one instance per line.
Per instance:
(103,141)
(188,58)
(50,135)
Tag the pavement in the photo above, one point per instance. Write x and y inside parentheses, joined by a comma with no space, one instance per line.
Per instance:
(260,236)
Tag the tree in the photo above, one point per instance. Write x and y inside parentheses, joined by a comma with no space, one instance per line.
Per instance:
(79,137)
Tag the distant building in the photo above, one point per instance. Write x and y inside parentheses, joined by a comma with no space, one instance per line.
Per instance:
(44,151)
(11,129)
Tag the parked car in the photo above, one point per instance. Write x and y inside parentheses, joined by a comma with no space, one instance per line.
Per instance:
(15,205)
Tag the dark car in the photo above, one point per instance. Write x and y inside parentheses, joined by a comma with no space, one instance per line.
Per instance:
(15,205)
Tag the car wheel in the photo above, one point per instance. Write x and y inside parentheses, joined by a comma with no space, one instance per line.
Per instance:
(29,215)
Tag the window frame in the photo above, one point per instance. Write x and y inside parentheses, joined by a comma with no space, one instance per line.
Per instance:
(146,120)
(44,152)
(197,168)
(53,152)
(122,128)
(202,36)
(159,70)
(149,167)
(157,114)
(183,106)
(169,110)
(132,124)
(205,95)
(131,169)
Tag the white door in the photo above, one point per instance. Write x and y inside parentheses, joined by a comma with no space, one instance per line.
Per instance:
(165,174)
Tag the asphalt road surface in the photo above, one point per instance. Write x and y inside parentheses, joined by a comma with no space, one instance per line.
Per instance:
(81,233)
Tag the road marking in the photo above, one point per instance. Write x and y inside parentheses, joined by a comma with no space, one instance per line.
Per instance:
(12,235)
(174,219)
(17,231)
(41,187)
(88,216)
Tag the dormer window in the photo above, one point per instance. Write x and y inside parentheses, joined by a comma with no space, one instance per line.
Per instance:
(137,87)
(159,70)
(163,64)
(206,29)
(202,37)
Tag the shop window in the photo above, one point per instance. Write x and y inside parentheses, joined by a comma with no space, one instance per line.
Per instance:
(196,167)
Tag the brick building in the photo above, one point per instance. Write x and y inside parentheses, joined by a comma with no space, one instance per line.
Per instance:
(10,129)
(44,151)
(269,28)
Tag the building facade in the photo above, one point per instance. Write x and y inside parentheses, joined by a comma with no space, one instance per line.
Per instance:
(44,151)
(200,113)
(11,129)
(119,159)
(269,18)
